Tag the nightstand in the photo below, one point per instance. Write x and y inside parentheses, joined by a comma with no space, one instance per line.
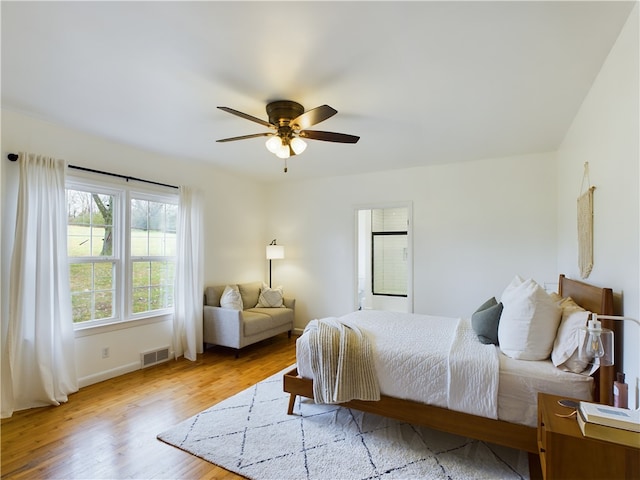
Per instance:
(565,453)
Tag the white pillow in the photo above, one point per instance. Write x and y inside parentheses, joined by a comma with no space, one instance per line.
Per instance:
(565,347)
(270,297)
(515,283)
(529,321)
(231,298)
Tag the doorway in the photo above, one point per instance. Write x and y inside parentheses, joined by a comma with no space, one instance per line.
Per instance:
(384,258)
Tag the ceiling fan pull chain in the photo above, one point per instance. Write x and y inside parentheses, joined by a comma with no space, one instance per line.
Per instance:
(285,165)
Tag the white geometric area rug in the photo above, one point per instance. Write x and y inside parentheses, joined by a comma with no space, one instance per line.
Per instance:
(251,434)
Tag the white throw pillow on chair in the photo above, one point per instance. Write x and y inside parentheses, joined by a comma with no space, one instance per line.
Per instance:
(270,297)
(231,298)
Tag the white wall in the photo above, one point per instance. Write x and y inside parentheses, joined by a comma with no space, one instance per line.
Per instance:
(605,134)
(234,220)
(475,225)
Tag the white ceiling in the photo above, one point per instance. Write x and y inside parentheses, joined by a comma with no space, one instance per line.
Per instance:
(420,82)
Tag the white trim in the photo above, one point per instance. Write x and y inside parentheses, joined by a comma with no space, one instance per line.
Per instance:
(88,330)
(108,374)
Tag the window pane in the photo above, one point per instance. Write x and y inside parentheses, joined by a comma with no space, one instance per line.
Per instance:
(140,299)
(139,227)
(102,243)
(102,209)
(103,276)
(156,216)
(389,219)
(158,273)
(81,306)
(139,214)
(156,244)
(90,224)
(139,243)
(78,207)
(157,298)
(80,276)
(141,274)
(153,228)
(390,264)
(103,305)
(172,218)
(78,241)
(92,290)
(152,285)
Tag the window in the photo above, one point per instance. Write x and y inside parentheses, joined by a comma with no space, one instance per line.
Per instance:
(121,246)
(389,251)
(93,264)
(153,250)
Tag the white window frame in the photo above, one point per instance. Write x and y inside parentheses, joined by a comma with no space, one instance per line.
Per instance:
(123,299)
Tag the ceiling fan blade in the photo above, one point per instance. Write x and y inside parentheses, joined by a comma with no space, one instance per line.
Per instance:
(247,117)
(329,136)
(244,137)
(312,117)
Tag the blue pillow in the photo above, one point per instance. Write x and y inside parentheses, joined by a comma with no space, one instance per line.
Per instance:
(485,320)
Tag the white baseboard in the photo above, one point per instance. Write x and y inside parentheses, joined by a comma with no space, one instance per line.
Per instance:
(107,374)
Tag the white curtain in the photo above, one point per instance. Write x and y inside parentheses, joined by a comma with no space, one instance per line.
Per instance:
(189,278)
(38,352)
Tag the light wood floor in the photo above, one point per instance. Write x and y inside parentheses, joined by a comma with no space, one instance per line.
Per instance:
(108,430)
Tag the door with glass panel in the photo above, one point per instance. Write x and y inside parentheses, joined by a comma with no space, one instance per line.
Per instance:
(384,258)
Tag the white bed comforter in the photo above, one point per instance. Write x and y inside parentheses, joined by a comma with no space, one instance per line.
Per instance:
(434,360)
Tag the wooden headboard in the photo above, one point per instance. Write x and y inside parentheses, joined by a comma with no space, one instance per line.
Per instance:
(597,300)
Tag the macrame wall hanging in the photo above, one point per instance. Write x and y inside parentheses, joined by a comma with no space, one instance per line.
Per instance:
(585,224)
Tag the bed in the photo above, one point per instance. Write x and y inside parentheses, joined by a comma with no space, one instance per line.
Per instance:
(498,431)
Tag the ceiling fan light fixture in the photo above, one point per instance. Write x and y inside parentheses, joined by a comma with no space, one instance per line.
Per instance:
(283,151)
(289,122)
(298,145)
(274,143)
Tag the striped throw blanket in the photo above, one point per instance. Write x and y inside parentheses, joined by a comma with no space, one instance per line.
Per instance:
(341,362)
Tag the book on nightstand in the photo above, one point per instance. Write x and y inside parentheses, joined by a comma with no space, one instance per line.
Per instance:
(607,433)
(610,416)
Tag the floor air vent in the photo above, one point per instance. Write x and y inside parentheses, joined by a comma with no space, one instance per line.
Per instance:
(154,357)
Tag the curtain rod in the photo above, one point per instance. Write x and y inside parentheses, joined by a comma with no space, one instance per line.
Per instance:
(14,156)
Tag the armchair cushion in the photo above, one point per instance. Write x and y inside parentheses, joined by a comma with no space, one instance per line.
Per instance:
(256,320)
(212,295)
(250,293)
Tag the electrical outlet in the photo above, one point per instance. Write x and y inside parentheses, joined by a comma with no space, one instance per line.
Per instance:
(105,352)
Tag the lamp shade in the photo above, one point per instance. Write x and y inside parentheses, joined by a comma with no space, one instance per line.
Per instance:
(596,346)
(298,145)
(274,252)
(274,144)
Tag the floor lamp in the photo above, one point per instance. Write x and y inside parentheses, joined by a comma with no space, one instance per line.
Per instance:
(274,252)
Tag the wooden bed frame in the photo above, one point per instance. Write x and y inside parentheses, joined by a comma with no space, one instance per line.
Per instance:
(595,299)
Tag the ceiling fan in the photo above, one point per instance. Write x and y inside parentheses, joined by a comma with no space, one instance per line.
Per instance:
(289,123)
